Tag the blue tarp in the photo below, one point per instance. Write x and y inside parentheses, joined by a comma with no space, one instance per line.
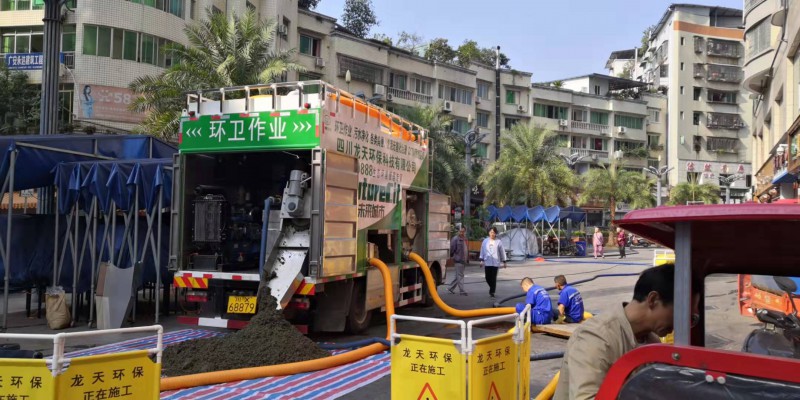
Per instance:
(519,214)
(784,177)
(113,180)
(536,214)
(572,213)
(551,214)
(32,245)
(504,214)
(492,209)
(37,156)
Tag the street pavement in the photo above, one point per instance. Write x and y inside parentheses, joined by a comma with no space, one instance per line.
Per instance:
(725,328)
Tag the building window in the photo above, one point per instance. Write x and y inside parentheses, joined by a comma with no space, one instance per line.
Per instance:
(482,150)
(717,96)
(420,86)
(597,90)
(512,96)
(193,9)
(654,115)
(580,115)
(122,44)
(692,176)
(597,117)
(723,48)
(68,38)
(148,49)
(681,115)
(722,73)
(548,111)
(758,37)
(580,142)
(483,90)
(652,141)
(309,45)
(628,121)
(683,40)
(460,125)
(598,144)
(457,94)
(21,5)
(23,40)
(725,121)
(562,140)
(681,66)
(697,92)
(174,7)
(397,81)
(681,89)
(725,145)
(483,120)
(696,118)
(510,122)
(360,70)
(664,71)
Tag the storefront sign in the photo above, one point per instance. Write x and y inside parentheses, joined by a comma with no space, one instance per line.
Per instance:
(107,103)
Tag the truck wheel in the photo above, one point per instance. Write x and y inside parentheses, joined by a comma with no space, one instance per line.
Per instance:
(359,317)
(427,299)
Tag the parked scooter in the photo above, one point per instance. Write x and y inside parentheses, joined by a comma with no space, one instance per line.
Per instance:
(634,240)
(780,335)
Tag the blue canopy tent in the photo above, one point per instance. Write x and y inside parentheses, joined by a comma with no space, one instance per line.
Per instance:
(504,214)
(40,155)
(572,213)
(492,209)
(98,189)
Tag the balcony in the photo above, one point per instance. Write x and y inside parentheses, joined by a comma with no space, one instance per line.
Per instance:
(719,73)
(699,71)
(587,154)
(590,128)
(410,96)
(724,121)
(656,147)
(724,48)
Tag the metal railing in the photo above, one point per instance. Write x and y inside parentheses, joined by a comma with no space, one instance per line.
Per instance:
(69,60)
(724,74)
(588,153)
(590,126)
(411,96)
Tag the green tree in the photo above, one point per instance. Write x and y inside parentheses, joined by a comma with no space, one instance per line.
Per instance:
(468,53)
(409,41)
(557,84)
(307,4)
(529,169)
(383,38)
(450,173)
(359,17)
(440,51)
(611,185)
(645,40)
(685,192)
(489,56)
(222,52)
(19,103)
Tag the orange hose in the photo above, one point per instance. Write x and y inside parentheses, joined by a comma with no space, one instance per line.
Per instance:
(241,374)
(481,312)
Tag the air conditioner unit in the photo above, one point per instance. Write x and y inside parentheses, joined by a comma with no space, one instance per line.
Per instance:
(379,90)
(389,97)
(563,123)
(448,107)
(621,130)
(283,30)
(521,109)
(320,62)
(594,157)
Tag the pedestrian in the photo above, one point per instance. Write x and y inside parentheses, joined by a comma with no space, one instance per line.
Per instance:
(570,302)
(621,242)
(600,341)
(537,297)
(597,242)
(460,255)
(492,254)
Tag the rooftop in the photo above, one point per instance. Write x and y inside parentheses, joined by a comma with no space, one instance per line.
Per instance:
(712,11)
(614,83)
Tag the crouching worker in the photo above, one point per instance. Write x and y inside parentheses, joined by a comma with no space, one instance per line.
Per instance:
(570,302)
(537,297)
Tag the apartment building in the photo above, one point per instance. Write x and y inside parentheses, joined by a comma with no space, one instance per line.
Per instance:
(772,76)
(695,57)
(107,44)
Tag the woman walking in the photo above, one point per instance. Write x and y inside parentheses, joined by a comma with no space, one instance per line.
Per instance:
(492,254)
(597,242)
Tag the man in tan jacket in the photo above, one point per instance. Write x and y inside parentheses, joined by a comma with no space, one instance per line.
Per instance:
(602,340)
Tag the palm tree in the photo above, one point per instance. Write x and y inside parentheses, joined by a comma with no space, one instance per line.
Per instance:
(529,170)
(222,52)
(450,173)
(691,190)
(610,185)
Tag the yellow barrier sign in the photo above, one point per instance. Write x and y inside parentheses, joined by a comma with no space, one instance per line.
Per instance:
(493,368)
(130,375)
(525,363)
(25,379)
(425,368)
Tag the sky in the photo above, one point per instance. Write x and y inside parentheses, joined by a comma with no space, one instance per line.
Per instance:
(553,39)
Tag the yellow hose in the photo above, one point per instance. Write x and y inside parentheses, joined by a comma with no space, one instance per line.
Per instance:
(482,312)
(216,377)
(241,374)
(550,390)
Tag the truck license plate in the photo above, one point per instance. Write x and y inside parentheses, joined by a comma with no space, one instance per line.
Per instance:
(242,305)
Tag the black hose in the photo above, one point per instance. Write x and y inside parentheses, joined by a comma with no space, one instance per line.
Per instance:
(547,356)
(353,345)
(578,282)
